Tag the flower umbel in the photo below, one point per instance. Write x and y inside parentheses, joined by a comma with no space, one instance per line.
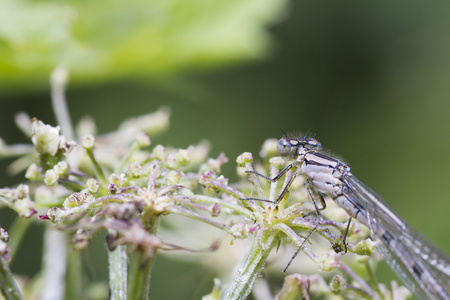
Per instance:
(277,220)
(122,184)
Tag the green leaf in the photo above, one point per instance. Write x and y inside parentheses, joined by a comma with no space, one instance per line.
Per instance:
(103,40)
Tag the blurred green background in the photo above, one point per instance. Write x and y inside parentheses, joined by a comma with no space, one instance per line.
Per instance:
(370,79)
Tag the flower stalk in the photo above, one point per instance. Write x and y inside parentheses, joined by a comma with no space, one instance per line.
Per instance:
(140,269)
(246,274)
(118,265)
(8,285)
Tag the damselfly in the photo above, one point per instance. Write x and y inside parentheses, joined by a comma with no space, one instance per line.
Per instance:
(422,266)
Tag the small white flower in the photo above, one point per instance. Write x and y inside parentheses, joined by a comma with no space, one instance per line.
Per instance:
(44,137)
(88,141)
(33,172)
(174,177)
(92,185)
(244,158)
(269,148)
(117,180)
(51,177)
(142,139)
(25,208)
(61,168)
(136,169)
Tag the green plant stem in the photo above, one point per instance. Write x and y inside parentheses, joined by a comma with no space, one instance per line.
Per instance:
(373,279)
(118,273)
(127,157)
(190,214)
(9,204)
(8,286)
(140,271)
(58,80)
(97,167)
(246,274)
(364,286)
(140,267)
(55,263)
(211,200)
(74,277)
(17,232)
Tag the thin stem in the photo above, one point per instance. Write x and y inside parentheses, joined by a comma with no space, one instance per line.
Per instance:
(190,214)
(97,167)
(71,185)
(55,254)
(299,241)
(140,268)
(273,185)
(7,202)
(126,159)
(358,291)
(256,182)
(235,207)
(118,273)
(17,232)
(97,202)
(17,150)
(140,273)
(373,279)
(74,277)
(235,193)
(227,189)
(246,273)
(8,285)
(358,279)
(58,81)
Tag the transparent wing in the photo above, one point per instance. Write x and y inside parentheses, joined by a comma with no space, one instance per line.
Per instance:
(422,266)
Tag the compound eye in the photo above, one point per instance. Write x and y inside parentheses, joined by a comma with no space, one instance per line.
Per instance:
(313,143)
(284,147)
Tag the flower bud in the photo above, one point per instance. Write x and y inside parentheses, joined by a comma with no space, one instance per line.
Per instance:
(65,146)
(328,262)
(76,199)
(215,210)
(172,162)
(22,191)
(184,156)
(61,168)
(136,169)
(366,247)
(88,141)
(276,162)
(33,172)
(269,148)
(159,152)
(142,140)
(112,189)
(44,137)
(25,208)
(244,158)
(174,177)
(118,180)
(337,284)
(51,178)
(92,185)
(4,236)
(4,249)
